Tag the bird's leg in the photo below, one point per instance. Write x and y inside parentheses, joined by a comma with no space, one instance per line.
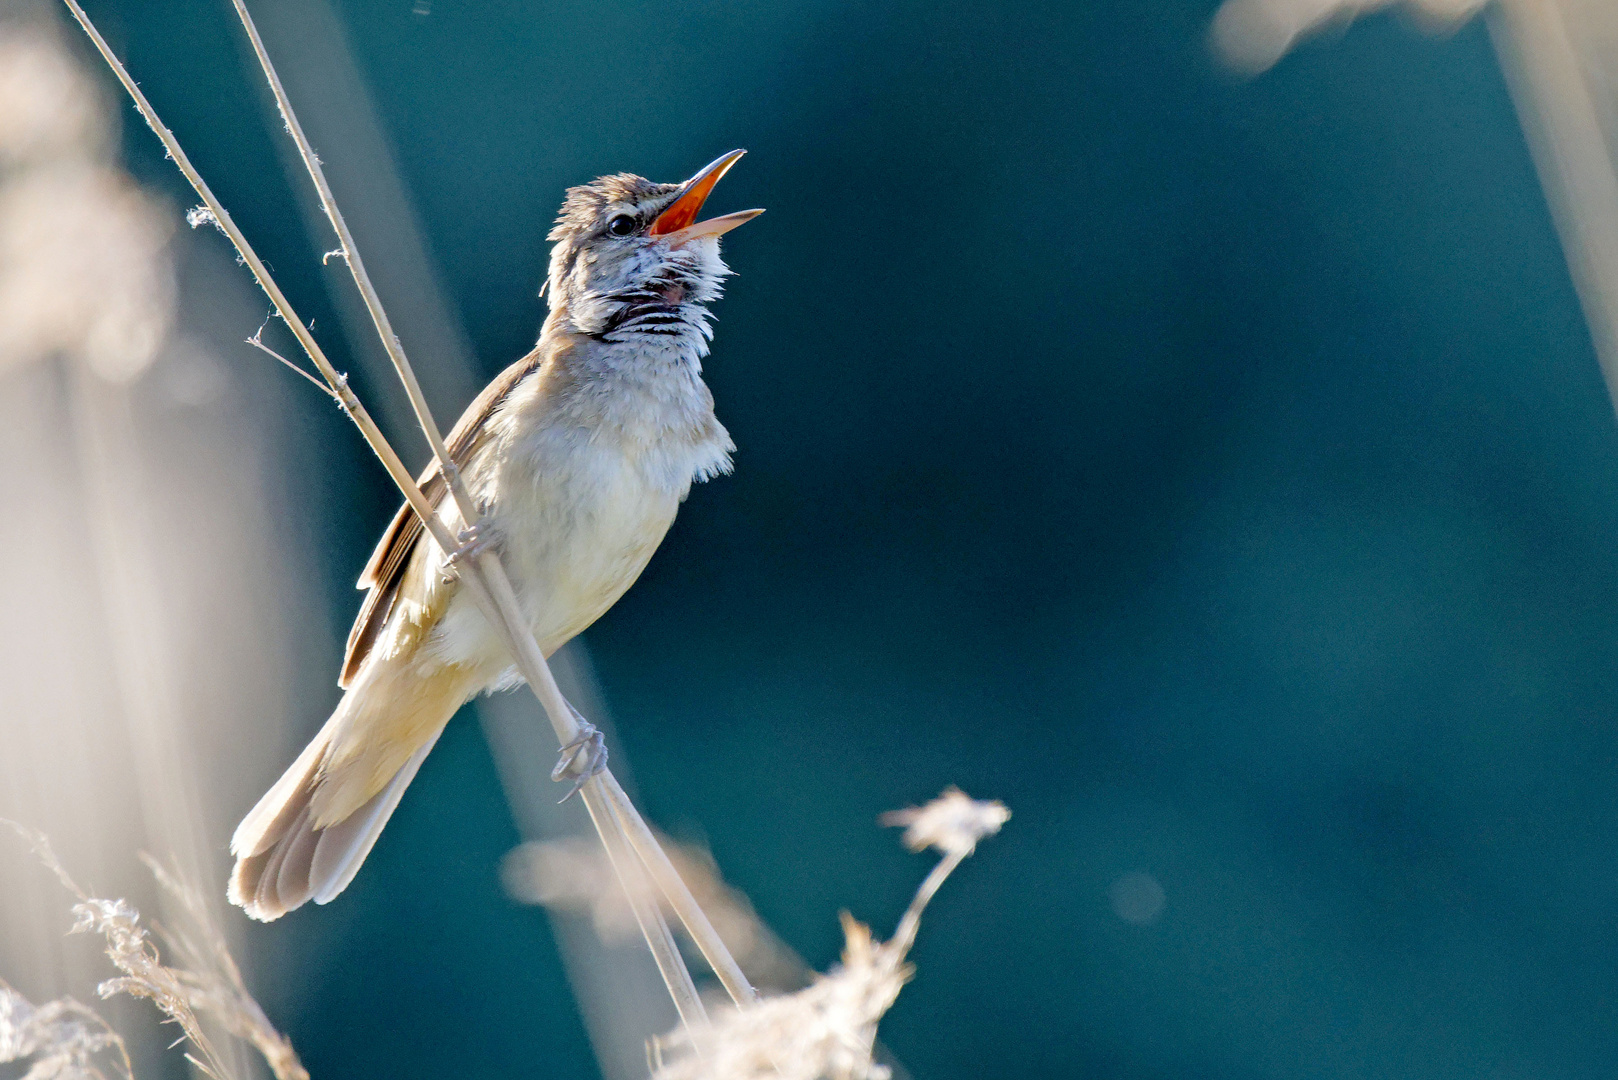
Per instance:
(474,540)
(582,758)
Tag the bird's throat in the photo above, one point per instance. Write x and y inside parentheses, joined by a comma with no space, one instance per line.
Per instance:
(660,312)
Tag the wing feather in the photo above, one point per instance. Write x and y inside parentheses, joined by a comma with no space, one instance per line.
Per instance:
(387,563)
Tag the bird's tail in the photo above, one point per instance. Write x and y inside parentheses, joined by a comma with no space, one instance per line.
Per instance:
(308,835)
(283,860)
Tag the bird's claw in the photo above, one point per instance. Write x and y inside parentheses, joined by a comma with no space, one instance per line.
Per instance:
(473,541)
(582,758)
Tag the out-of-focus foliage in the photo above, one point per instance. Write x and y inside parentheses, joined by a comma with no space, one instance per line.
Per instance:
(59,1040)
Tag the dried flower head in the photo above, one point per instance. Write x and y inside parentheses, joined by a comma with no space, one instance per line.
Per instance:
(61,1040)
(827,1030)
(211,986)
(953,823)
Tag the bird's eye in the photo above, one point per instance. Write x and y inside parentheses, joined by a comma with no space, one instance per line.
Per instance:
(621,225)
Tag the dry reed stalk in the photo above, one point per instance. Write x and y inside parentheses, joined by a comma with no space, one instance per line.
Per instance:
(216,980)
(210,986)
(610,808)
(653,927)
(61,1039)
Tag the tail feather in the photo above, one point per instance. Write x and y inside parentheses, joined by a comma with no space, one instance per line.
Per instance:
(290,876)
(267,895)
(283,860)
(273,815)
(343,847)
(309,834)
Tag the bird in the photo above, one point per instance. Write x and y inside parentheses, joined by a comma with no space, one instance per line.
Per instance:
(577,457)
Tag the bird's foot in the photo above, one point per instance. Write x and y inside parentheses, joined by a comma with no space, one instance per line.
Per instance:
(582,758)
(473,540)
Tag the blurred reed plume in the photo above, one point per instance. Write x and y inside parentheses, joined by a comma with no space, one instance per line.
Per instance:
(1252,35)
(572,875)
(827,1031)
(82,260)
(60,1040)
(208,986)
(1560,58)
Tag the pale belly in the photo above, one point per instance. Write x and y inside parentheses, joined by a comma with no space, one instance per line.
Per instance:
(571,547)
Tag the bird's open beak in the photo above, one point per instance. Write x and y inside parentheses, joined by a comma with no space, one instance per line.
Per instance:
(678,224)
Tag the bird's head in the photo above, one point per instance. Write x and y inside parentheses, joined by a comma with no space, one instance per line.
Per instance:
(630,256)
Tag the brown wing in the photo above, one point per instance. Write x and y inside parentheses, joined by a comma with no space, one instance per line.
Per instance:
(381,575)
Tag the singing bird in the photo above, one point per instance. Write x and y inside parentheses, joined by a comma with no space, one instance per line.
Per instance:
(578,456)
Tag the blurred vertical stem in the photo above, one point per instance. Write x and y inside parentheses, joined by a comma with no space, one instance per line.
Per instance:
(1551,88)
(488,584)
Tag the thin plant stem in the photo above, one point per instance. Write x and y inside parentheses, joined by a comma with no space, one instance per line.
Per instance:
(648,915)
(531,660)
(684,905)
(338,383)
(257,341)
(904,935)
(356,265)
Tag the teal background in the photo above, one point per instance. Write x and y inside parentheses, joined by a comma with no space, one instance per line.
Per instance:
(1218,472)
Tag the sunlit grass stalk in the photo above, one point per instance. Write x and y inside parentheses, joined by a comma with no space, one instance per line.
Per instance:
(61,1038)
(211,983)
(610,809)
(215,977)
